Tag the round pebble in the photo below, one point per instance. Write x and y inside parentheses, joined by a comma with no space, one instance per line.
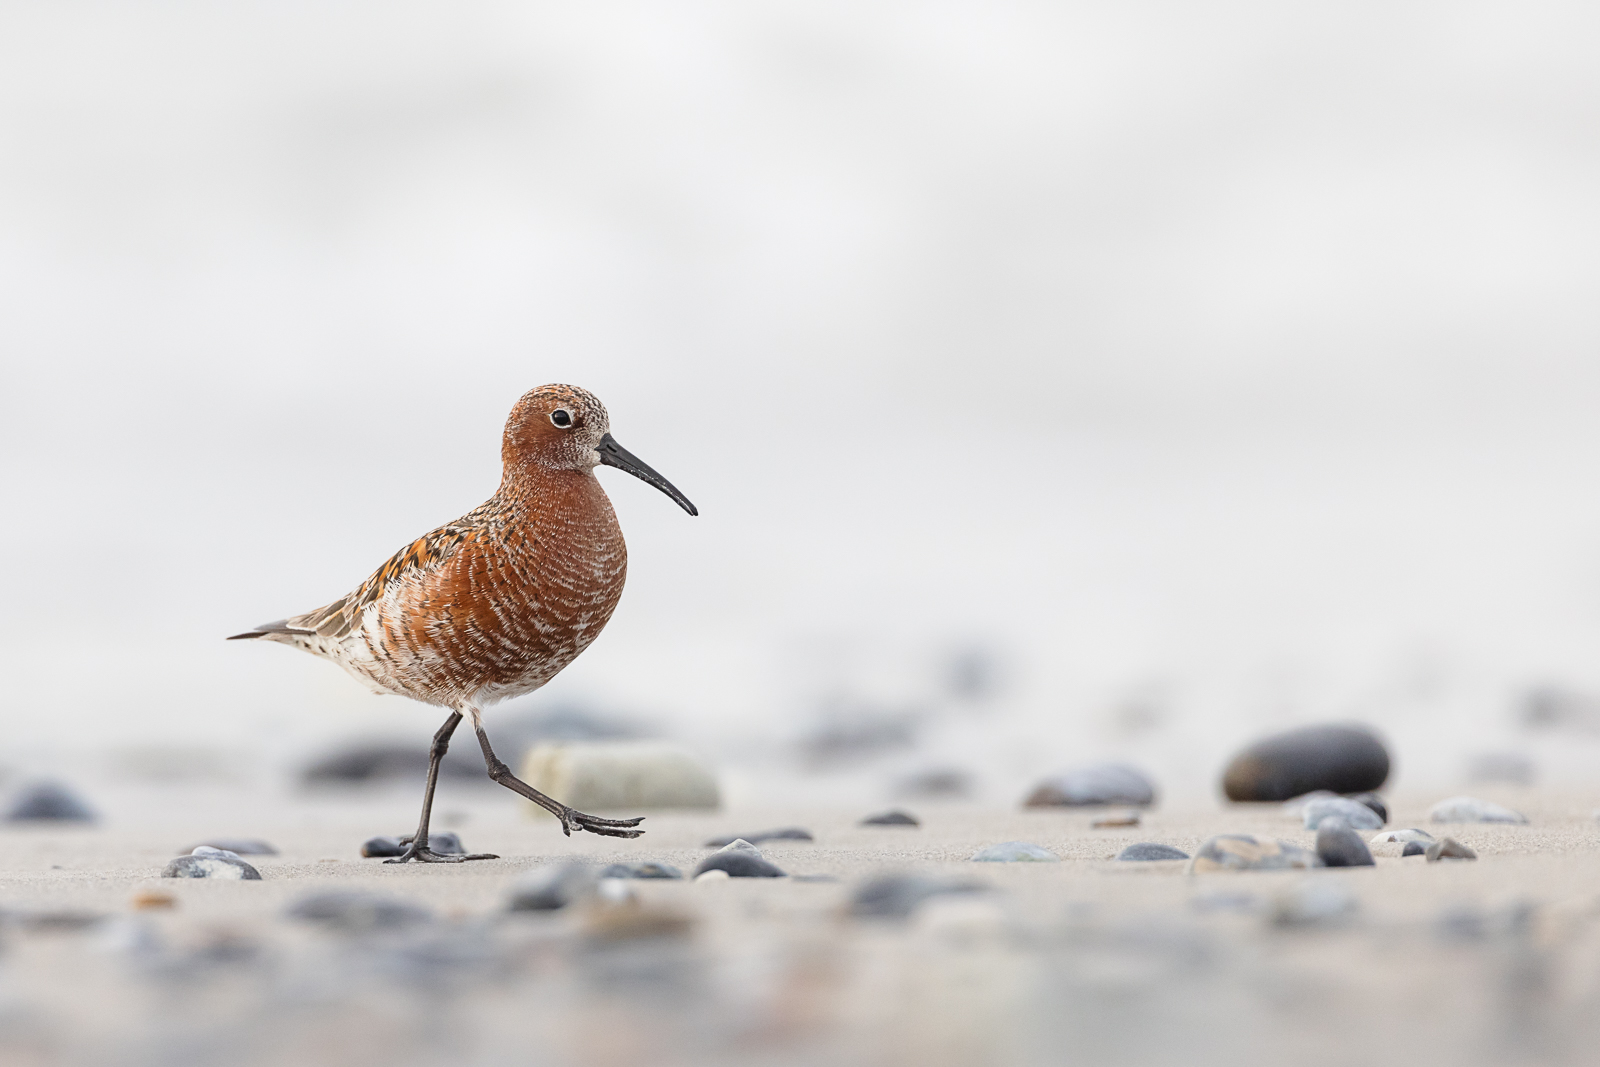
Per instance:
(1353,813)
(1249,852)
(213,863)
(891,818)
(1103,783)
(1340,759)
(1338,845)
(1149,851)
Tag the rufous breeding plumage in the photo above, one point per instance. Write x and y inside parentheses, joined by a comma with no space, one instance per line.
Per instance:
(496,603)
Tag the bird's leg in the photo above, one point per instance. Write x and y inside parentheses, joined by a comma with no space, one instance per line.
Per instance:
(571,818)
(417,844)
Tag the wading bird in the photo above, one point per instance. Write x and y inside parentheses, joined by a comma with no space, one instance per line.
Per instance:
(495,604)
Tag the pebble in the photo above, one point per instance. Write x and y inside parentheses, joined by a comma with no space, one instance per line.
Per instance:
(1314,902)
(648,869)
(1110,822)
(552,887)
(896,896)
(1471,809)
(740,859)
(1338,845)
(240,846)
(358,911)
(1414,848)
(1101,783)
(1448,848)
(1295,807)
(1146,851)
(1014,852)
(788,833)
(1375,802)
(1397,836)
(1249,852)
(1340,759)
(1354,813)
(207,862)
(891,818)
(445,843)
(712,876)
(48,802)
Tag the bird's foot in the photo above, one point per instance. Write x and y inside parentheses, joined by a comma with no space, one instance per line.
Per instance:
(572,819)
(428,855)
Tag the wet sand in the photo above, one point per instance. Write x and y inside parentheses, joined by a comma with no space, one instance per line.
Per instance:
(1087,960)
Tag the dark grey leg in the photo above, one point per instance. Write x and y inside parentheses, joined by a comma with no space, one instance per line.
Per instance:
(418,849)
(571,819)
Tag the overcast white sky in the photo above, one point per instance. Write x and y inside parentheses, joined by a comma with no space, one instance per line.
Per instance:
(1243,351)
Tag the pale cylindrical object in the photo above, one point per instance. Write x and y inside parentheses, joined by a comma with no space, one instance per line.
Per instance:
(620,776)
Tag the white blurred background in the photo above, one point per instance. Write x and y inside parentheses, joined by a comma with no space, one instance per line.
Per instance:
(1183,371)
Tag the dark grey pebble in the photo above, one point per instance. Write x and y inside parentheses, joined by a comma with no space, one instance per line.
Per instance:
(445,843)
(243,846)
(215,865)
(1340,846)
(1375,802)
(788,833)
(740,864)
(1340,759)
(358,911)
(1448,848)
(1101,783)
(896,896)
(649,869)
(1146,851)
(891,818)
(48,802)
(1414,848)
(551,888)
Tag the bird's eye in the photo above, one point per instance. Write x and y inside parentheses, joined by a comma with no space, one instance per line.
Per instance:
(561,417)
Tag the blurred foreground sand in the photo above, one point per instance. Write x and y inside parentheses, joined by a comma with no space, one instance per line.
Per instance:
(1086,961)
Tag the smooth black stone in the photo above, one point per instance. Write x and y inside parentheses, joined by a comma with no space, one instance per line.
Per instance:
(244,846)
(891,818)
(896,896)
(444,843)
(1375,802)
(204,867)
(1340,846)
(48,802)
(790,833)
(1340,759)
(740,864)
(1414,848)
(1146,851)
(641,870)
(356,910)
(1099,784)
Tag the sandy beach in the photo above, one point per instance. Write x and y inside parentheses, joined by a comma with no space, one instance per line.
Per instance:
(1085,960)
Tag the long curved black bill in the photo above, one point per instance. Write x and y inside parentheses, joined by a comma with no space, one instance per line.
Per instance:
(614,455)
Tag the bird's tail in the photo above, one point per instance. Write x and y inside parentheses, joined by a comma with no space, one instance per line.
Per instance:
(267,629)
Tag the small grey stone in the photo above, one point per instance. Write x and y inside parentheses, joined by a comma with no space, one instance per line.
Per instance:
(896,896)
(1414,848)
(1401,836)
(1375,802)
(739,863)
(240,846)
(891,818)
(552,887)
(1146,851)
(358,911)
(1249,852)
(1101,783)
(212,864)
(1340,846)
(789,833)
(1014,852)
(1354,813)
(444,843)
(1295,807)
(1448,848)
(647,869)
(1471,809)
(48,802)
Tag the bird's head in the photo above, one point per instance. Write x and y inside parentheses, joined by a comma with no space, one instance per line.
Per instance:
(562,427)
